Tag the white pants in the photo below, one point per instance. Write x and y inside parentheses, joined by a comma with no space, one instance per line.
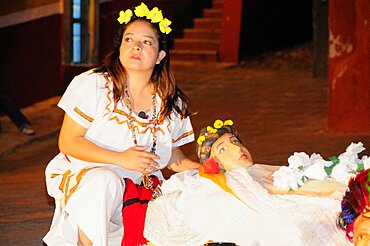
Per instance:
(95,207)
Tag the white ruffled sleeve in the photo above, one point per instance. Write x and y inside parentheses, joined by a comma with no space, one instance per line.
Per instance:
(81,98)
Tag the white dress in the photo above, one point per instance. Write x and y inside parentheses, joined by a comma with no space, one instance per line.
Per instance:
(89,195)
(193,210)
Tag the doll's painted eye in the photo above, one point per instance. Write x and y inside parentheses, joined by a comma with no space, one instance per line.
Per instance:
(221,150)
(235,141)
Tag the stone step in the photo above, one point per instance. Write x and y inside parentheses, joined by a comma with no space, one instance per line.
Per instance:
(212,13)
(196,44)
(191,55)
(217,4)
(201,33)
(201,43)
(207,23)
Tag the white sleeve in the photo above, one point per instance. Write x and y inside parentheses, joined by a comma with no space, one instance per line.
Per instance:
(182,132)
(80,99)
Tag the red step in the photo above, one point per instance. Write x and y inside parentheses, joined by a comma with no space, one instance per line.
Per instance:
(201,43)
(212,13)
(191,55)
(217,4)
(196,44)
(207,23)
(201,33)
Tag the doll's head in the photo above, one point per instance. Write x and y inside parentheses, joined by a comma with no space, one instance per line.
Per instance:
(222,143)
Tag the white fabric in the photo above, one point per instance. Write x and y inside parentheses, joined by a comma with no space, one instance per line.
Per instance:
(88,100)
(193,210)
(100,193)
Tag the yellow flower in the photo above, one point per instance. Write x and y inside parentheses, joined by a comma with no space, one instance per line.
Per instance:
(210,129)
(124,16)
(201,139)
(164,26)
(218,124)
(228,123)
(155,15)
(141,10)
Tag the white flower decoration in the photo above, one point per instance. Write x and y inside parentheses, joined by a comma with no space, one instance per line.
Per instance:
(299,161)
(316,169)
(302,167)
(354,149)
(285,178)
(341,173)
(366,161)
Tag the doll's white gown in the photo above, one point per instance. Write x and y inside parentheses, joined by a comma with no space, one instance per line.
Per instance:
(194,210)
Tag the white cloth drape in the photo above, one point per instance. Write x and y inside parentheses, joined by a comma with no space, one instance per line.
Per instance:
(194,210)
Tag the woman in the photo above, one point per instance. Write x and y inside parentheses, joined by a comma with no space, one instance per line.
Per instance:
(224,203)
(126,119)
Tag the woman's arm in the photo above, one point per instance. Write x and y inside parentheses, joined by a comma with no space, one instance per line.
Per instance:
(72,142)
(179,162)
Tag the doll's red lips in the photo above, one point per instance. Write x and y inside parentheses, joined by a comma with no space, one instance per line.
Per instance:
(243,157)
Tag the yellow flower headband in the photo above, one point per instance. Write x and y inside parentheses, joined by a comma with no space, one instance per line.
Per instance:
(209,130)
(154,15)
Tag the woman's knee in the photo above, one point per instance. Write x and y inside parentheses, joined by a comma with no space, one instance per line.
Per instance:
(105,178)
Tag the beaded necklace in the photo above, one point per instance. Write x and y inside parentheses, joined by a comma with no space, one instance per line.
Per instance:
(147,182)
(153,119)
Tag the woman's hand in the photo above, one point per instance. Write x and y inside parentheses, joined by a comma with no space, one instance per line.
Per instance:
(138,159)
(179,162)
(72,142)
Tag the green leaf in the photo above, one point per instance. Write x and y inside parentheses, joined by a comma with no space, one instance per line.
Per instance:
(360,167)
(329,169)
(334,159)
(304,178)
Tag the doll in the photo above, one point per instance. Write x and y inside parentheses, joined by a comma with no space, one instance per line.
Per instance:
(223,202)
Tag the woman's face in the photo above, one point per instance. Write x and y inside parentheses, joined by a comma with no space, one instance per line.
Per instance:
(139,49)
(362,231)
(230,153)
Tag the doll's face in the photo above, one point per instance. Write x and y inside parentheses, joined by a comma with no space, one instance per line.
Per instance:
(230,153)
(362,231)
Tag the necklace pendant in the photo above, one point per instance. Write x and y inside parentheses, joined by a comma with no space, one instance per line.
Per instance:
(147,182)
(156,193)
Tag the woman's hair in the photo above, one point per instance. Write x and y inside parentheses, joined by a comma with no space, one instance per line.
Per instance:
(162,74)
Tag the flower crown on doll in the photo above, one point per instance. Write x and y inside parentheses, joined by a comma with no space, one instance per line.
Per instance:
(154,15)
(355,203)
(208,135)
